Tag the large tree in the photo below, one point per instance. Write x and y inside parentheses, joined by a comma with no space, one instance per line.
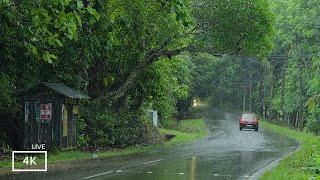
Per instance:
(216,27)
(112,48)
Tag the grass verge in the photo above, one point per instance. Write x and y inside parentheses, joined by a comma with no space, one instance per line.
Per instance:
(189,130)
(304,163)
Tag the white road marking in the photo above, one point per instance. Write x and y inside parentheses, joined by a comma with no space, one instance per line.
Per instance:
(89,177)
(223,175)
(149,172)
(187,154)
(153,161)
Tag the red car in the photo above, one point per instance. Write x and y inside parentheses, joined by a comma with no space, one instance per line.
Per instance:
(249,120)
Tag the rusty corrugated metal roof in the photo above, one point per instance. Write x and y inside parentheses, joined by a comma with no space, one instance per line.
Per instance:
(65,90)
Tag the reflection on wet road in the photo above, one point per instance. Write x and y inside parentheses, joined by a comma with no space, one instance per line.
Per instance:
(226,154)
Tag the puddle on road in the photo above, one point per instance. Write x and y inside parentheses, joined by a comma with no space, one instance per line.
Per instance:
(231,165)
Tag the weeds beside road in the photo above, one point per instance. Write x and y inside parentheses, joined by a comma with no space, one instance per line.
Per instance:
(303,164)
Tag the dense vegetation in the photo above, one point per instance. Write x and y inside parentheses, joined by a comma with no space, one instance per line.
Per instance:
(282,88)
(126,55)
(293,69)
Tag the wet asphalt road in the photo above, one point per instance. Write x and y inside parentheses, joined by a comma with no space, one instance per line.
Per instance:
(226,154)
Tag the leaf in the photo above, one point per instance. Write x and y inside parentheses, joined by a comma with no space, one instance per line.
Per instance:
(72,30)
(78,19)
(33,49)
(58,42)
(48,57)
(105,82)
(312,101)
(57,23)
(36,20)
(80,4)
(55,2)
(64,2)
(53,56)
(94,13)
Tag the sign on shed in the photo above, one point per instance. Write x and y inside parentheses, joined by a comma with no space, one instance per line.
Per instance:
(46,111)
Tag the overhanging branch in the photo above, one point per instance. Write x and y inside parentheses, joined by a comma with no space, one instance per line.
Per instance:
(151,57)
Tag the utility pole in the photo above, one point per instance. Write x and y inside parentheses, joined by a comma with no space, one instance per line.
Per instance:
(250,90)
(271,81)
(244,98)
(283,82)
(263,79)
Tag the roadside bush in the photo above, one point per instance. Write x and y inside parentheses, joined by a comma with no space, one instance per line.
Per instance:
(121,128)
(313,125)
(10,126)
(100,133)
(127,128)
(314,164)
(82,136)
(5,148)
(313,121)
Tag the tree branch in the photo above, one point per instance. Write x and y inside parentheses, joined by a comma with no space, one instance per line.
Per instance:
(151,57)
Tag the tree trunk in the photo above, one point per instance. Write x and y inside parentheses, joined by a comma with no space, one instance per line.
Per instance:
(95,86)
(301,99)
(271,94)
(284,71)
(263,83)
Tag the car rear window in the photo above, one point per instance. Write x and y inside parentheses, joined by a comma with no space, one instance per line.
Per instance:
(249,116)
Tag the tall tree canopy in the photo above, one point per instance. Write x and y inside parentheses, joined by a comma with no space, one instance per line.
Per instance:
(118,51)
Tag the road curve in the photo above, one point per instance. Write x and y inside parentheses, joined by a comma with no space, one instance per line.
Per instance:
(226,154)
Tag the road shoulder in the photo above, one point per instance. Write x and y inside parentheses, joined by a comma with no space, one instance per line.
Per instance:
(299,164)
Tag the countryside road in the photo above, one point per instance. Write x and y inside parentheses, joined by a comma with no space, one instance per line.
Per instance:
(226,154)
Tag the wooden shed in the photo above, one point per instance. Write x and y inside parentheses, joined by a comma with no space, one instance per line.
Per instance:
(51,116)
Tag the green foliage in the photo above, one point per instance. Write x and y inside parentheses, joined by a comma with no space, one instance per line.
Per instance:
(10,126)
(5,148)
(239,26)
(304,163)
(121,47)
(6,101)
(103,127)
(315,164)
(295,73)
(169,85)
(224,80)
(82,136)
(313,121)
(187,130)
(192,126)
